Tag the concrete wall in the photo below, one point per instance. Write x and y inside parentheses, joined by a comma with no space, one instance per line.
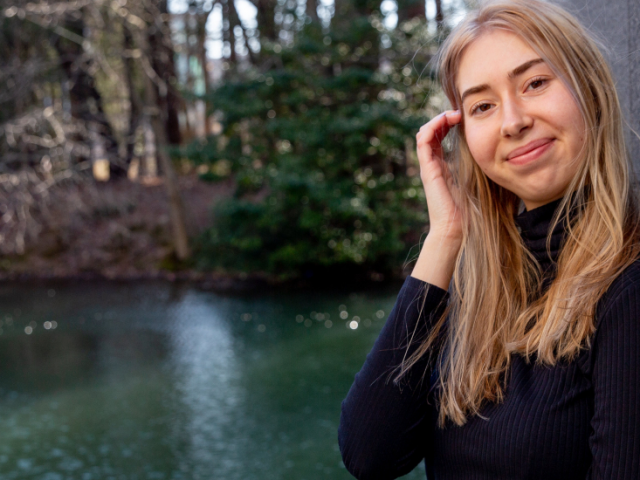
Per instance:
(617,24)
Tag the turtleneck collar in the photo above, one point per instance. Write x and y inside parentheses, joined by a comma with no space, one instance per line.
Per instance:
(534,229)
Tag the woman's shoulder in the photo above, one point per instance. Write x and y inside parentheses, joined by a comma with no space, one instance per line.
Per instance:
(623,291)
(629,279)
(616,317)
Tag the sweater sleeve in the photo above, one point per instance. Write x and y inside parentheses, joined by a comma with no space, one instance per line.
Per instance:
(382,427)
(615,439)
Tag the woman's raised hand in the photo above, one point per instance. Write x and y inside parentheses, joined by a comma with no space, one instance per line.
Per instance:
(444,216)
(439,251)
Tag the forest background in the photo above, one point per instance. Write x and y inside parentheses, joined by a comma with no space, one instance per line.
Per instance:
(128,149)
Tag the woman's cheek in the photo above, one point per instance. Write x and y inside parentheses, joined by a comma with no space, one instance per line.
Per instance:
(480,147)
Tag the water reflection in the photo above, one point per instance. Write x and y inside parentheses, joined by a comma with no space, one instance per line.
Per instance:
(157,381)
(206,371)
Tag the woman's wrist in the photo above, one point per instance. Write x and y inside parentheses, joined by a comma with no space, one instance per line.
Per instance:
(437,260)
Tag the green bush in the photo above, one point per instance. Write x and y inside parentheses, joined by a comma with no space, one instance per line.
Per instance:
(318,149)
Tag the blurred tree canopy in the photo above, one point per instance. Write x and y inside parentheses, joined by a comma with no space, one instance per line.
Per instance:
(318,134)
(311,111)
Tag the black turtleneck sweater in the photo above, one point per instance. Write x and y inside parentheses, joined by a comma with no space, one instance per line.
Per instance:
(576,420)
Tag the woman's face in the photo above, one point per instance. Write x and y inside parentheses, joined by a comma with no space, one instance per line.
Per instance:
(522,125)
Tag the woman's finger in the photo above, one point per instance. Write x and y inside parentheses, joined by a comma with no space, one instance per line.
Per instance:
(429,141)
(435,175)
(434,131)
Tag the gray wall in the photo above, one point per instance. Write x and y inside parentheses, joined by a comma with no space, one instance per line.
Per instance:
(617,25)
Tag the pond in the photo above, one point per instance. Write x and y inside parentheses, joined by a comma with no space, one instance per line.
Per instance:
(153,380)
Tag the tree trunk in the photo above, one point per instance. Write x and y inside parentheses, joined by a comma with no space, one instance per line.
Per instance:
(201,35)
(312,10)
(439,16)
(162,61)
(266,19)
(228,24)
(134,99)
(234,19)
(409,9)
(155,115)
(86,101)
(176,207)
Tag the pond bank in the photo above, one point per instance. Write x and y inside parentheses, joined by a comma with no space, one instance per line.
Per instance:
(114,230)
(120,231)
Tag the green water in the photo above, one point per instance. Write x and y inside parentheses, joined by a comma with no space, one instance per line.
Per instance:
(163,381)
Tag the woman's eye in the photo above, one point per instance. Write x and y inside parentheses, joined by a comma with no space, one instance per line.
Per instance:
(480,108)
(537,83)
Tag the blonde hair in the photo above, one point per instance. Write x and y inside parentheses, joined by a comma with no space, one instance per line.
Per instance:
(504,310)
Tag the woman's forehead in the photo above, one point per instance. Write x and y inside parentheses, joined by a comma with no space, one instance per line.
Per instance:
(493,56)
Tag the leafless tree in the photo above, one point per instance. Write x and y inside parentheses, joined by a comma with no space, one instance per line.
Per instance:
(55,124)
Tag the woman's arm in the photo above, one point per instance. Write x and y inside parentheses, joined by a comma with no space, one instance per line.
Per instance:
(383,432)
(615,441)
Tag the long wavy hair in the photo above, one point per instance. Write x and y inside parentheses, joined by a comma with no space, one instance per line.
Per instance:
(497,305)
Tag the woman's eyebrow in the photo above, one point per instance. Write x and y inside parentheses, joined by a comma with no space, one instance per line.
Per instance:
(524,67)
(472,90)
(512,74)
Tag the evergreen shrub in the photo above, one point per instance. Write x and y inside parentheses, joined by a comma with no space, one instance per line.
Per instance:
(321,147)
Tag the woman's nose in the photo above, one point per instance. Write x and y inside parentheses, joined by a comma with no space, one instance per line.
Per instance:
(515,119)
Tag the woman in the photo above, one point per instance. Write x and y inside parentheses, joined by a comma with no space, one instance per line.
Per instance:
(529,366)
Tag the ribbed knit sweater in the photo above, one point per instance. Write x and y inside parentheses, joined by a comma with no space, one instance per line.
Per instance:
(576,420)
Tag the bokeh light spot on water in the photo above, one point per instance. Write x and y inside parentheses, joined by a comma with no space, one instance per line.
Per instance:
(25,463)
(353,324)
(344,314)
(328,323)
(380,313)
(28,330)
(299,318)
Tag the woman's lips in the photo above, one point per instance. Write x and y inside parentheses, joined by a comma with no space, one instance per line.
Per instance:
(531,151)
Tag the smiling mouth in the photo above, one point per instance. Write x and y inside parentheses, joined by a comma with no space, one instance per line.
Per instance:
(530,151)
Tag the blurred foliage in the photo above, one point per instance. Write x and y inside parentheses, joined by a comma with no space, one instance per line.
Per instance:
(321,149)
